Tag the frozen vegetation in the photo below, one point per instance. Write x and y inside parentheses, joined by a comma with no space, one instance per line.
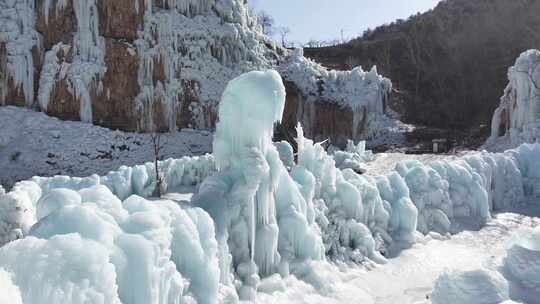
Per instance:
(517,119)
(257,223)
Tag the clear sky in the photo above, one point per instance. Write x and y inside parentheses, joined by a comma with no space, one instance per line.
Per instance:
(325,19)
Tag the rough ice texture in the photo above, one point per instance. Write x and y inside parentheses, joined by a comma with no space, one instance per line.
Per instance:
(517,119)
(263,218)
(18,207)
(522,263)
(473,287)
(135,251)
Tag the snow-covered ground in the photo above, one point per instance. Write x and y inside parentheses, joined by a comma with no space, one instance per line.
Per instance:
(409,278)
(34,144)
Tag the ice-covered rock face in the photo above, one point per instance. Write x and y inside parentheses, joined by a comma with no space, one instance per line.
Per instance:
(163,63)
(518,116)
(359,99)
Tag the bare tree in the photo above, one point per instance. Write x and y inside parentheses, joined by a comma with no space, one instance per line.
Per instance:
(267,22)
(157,146)
(312,43)
(283,32)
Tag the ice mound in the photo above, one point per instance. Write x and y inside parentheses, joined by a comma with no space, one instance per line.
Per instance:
(353,157)
(522,262)
(473,287)
(94,248)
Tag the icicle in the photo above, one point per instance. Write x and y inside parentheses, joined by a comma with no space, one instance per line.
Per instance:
(46,6)
(19,37)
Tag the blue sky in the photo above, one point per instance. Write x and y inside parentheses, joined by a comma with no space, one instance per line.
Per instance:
(324,19)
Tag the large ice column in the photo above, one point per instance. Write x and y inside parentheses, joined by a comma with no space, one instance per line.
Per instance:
(19,37)
(261,215)
(519,112)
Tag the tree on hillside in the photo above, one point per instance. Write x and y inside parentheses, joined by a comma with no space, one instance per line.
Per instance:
(157,146)
(283,32)
(267,23)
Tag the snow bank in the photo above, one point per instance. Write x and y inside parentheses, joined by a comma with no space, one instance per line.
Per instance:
(473,287)
(516,277)
(522,262)
(517,119)
(18,208)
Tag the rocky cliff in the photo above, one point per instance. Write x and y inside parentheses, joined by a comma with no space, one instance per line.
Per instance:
(141,65)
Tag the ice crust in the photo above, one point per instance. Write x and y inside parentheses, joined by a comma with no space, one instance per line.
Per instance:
(258,215)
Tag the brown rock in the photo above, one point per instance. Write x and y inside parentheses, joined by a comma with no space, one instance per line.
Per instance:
(115,107)
(321,119)
(59,28)
(120,19)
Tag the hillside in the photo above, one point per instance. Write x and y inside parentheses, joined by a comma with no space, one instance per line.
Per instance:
(449,65)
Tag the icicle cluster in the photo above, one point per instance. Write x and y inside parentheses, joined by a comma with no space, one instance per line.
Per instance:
(19,38)
(84,73)
(198,53)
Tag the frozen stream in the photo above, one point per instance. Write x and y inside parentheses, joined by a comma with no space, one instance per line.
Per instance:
(409,278)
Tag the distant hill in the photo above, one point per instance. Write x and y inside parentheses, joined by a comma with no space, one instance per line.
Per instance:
(448,65)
